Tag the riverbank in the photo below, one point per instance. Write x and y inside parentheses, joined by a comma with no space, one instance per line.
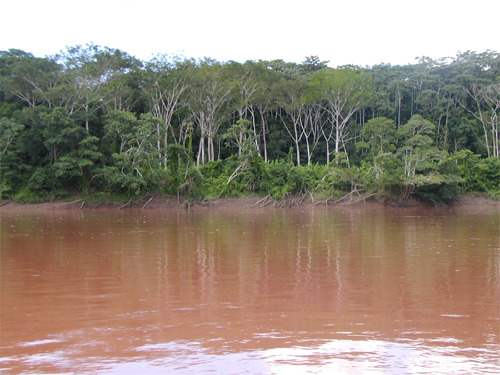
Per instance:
(156,202)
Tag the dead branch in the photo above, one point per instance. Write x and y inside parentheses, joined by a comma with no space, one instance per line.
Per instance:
(242,166)
(150,199)
(126,204)
(78,200)
(262,202)
(358,199)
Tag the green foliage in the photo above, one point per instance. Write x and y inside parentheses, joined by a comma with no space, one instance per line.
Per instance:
(381,135)
(25,195)
(421,158)
(10,164)
(344,178)
(113,180)
(241,136)
(285,179)
(439,194)
(42,185)
(192,188)
(84,121)
(215,180)
(133,167)
(384,172)
(478,174)
(486,175)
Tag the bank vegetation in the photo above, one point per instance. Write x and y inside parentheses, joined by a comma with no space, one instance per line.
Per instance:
(95,121)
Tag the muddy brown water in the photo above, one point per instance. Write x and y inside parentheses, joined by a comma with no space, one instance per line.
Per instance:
(353,290)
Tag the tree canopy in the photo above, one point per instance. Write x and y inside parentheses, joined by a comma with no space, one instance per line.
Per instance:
(96,119)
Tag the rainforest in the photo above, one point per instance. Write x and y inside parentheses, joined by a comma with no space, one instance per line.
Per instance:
(97,122)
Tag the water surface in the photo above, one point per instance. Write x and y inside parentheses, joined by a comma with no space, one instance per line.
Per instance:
(354,290)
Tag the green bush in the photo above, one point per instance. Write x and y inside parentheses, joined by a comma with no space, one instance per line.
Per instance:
(283,178)
(482,175)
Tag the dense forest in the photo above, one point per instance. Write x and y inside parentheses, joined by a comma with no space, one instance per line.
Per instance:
(96,120)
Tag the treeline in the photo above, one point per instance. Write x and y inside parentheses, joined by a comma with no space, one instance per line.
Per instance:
(97,120)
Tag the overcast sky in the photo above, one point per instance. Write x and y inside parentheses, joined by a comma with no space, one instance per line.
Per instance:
(363,32)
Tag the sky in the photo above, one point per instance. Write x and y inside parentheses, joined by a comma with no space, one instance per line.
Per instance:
(359,32)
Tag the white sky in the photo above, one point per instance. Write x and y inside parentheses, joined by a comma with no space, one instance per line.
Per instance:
(360,32)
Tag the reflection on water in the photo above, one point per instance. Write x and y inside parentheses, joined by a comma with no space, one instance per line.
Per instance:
(337,356)
(351,290)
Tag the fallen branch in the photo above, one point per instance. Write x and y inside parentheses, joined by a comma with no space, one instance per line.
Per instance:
(63,204)
(262,202)
(324,202)
(126,204)
(359,199)
(150,199)
(242,166)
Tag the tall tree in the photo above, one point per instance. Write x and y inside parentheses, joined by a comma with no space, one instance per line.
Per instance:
(485,107)
(419,153)
(164,84)
(94,79)
(30,79)
(343,92)
(293,101)
(247,88)
(209,95)
(380,134)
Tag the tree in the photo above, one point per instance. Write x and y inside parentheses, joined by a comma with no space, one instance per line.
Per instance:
(9,161)
(343,92)
(312,128)
(135,156)
(164,86)
(313,63)
(485,107)
(94,79)
(29,78)
(477,85)
(72,153)
(293,100)
(134,139)
(419,154)
(380,133)
(246,89)
(209,94)
(60,133)
(9,132)
(264,101)
(242,136)
(120,129)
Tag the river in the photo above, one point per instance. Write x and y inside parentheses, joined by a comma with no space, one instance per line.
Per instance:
(344,290)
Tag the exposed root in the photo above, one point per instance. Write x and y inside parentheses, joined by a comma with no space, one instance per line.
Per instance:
(324,202)
(354,197)
(312,197)
(359,198)
(284,202)
(263,202)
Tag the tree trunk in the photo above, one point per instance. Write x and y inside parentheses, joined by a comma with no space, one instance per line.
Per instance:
(201,153)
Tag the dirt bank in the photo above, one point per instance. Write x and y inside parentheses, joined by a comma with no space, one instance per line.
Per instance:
(250,202)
